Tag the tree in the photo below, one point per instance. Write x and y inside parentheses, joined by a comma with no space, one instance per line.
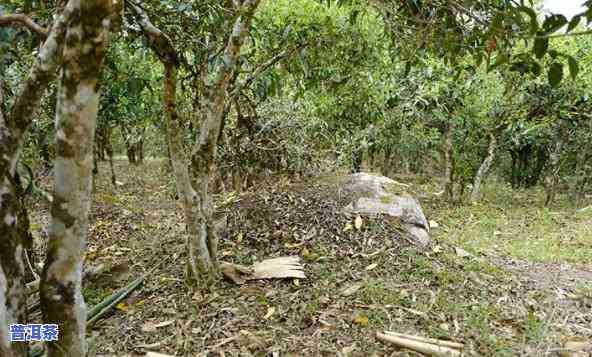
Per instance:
(194,173)
(14,225)
(78,99)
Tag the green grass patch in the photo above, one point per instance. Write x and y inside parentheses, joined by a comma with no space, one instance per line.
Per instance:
(515,223)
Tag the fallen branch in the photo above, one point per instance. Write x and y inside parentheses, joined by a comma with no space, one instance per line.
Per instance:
(433,341)
(420,344)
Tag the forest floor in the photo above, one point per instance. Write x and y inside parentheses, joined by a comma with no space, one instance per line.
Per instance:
(505,277)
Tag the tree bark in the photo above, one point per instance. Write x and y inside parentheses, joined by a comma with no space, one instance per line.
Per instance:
(449,162)
(485,165)
(179,163)
(62,302)
(555,159)
(13,217)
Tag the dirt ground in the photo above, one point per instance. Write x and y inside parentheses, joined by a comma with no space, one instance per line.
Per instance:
(358,282)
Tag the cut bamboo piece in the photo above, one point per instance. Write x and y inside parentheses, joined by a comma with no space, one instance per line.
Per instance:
(419,346)
(156,354)
(433,341)
(278,268)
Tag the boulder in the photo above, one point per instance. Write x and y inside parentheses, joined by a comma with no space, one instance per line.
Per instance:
(376,195)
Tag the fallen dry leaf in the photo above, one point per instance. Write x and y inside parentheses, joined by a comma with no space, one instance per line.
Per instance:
(358,223)
(352,289)
(361,319)
(165,323)
(348,349)
(371,266)
(348,227)
(270,311)
(461,252)
(148,326)
(122,306)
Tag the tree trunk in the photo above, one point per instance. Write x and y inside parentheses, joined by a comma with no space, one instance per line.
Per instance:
(131,154)
(485,165)
(185,190)
(583,174)
(61,283)
(140,152)
(357,156)
(449,162)
(13,217)
(195,189)
(555,159)
(109,149)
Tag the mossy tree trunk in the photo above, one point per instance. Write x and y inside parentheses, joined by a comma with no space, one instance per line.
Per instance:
(194,175)
(486,164)
(14,227)
(78,99)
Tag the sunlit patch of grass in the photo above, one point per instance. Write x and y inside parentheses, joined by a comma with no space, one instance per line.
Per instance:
(377,291)
(535,329)
(515,223)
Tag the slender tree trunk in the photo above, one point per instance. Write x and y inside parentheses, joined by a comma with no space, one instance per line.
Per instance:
(61,284)
(485,166)
(194,186)
(13,217)
(449,162)
(109,150)
(555,159)
(140,151)
(131,154)
(197,254)
(357,157)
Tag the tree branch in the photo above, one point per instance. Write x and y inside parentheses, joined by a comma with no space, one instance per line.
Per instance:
(264,67)
(158,40)
(42,72)
(8,20)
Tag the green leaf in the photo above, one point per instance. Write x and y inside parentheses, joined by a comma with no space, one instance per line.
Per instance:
(520,67)
(554,23)
(500,59)
(541,45)
(353,17)
(573,67)
(575,21)
(555,74)
(533,18)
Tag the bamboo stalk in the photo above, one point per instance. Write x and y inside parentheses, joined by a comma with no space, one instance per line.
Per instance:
(419,346)
(433,341)
(101,309)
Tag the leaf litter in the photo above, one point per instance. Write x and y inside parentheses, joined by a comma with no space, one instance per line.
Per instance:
(360,280)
